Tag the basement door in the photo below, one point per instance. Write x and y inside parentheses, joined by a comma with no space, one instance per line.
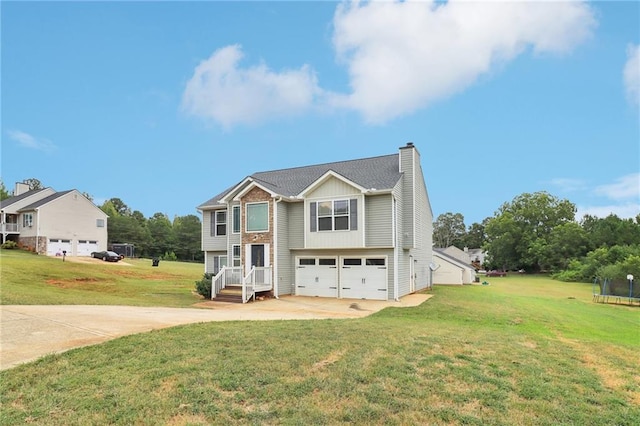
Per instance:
(364,278)
(317,276)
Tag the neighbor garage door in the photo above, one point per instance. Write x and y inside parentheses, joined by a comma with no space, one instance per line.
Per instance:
(55,246)
(363,278)
(86,247)
(317,276)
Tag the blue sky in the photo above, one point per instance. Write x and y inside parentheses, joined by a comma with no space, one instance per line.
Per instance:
(166,104)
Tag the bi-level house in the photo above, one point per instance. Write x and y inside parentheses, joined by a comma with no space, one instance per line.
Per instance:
(357,229)
(49,222)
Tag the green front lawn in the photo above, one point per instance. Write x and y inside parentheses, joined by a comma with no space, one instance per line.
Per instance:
(521,351)
(28,279)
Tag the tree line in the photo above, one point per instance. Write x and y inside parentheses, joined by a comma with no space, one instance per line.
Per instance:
(538,232)
(156,236)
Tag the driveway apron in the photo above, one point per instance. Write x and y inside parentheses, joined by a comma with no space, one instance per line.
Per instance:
(28,332)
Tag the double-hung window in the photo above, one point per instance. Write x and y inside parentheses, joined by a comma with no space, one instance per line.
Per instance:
(27,220)
(257,217)
(334,215)
(236,255)
(218,223)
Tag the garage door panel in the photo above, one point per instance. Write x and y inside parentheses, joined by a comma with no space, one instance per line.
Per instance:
(364,278)
(57,246)
(317,279)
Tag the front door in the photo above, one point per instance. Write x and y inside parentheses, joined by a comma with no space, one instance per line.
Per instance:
(256,255)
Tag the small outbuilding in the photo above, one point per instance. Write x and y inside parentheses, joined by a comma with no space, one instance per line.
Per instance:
(450,270)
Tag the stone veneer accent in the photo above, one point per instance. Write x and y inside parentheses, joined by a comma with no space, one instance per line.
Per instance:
(253,196)
(29,243)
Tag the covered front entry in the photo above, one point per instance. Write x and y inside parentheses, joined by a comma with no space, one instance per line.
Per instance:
(317,276)
(364,278)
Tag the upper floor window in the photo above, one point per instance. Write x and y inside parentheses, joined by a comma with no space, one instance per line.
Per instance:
(236,219)
(334,215)
(257,217)
(27,219)
(100,223)
(218,223)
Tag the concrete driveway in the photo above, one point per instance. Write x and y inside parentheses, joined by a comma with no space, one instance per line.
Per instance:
(28,332)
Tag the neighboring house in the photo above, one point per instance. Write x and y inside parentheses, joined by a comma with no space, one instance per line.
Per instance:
(49,222)
(455,252)
(451,270)
(477,257)
(357,229)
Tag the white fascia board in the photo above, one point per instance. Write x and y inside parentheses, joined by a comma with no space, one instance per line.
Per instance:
(249,187)
(230,195)
(324,178)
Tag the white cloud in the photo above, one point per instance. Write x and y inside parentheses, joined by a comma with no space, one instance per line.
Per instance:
(28,141)
(402,56)
(631,74)
(230,95)
(568,184)
(625,187)
(625,192)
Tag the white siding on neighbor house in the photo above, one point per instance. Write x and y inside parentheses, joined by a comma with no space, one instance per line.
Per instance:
(72,217)
(378,220)
(448,273)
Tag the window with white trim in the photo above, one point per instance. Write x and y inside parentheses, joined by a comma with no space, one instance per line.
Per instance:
(218,263)
(218,223)
(236,219)
(334,215)
(27,220)
(100,223)
(236,255)
(257,217)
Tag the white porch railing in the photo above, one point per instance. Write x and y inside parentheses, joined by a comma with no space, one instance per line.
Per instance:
(258,279)
(9,227)
(226,276)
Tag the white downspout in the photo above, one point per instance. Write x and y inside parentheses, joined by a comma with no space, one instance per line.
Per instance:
(37,231)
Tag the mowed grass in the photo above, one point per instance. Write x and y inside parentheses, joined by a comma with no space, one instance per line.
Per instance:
(520,351)
(28,279)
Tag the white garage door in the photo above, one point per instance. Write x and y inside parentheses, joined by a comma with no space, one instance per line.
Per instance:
(317,277)
(57,246)
(85,247)
(363,278)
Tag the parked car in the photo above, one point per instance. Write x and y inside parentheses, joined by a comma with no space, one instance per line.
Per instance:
(494,273)
(107,256)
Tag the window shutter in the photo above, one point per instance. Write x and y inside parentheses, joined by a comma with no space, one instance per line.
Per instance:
(314,215)
(213,224)
(353,211)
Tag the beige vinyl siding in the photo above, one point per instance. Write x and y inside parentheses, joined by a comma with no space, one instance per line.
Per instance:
(71,217)
(378,217)
(332,187)
(284,271)
(208,242)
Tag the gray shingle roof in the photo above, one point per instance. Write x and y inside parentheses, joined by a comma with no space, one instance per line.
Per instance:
(381,173)
(8,201)
(45,200)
